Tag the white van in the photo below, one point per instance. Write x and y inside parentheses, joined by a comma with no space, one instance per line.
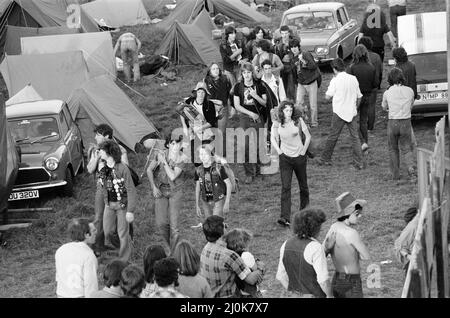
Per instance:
(424,37)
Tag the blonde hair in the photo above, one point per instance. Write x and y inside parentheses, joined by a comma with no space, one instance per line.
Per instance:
(188,258)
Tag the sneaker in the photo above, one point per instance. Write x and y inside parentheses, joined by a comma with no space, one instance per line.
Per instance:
(197,226)
(364,147)
(314,125)
(284,222)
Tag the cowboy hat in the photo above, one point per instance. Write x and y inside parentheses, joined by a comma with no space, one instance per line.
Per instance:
(346,204)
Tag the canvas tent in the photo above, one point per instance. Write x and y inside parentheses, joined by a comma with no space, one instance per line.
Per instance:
(26,95)
(117,13)
(100,100)
(204,22)
(96,47)
(54,76)
(40,13)
(186,44)
(9,159)
(15,33)
(186,11)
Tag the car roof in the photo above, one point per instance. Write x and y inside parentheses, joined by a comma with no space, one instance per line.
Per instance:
(423,32)
(44,107)
(315,6)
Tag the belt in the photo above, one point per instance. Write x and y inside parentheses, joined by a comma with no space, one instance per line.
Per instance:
(345,275)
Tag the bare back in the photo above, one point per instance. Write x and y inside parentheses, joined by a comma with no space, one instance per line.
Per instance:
(344,255)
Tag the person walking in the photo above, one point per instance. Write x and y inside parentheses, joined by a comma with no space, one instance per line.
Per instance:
(345,94)
(308,79)
(232,54)
(397,8)
(129,46)
(120,196)
(167,176)
(346,247)
(302,268)
(398,101)
(374,26)
(287,141)
(250,98)
(287,73)
(368,81)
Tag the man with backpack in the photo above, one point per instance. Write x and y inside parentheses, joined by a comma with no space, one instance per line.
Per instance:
(213,185)
(263,49)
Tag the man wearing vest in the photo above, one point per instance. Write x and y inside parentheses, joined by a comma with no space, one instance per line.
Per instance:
(213,187)
(346,248)
(302,268)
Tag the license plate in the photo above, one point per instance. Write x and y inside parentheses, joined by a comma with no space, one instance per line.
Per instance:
(433,95)
(24,195)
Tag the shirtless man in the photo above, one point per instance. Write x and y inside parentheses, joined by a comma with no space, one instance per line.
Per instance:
(346,248)
(129,46)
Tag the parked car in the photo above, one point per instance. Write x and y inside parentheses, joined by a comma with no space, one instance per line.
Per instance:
(424,37)
(325,29)
(51,148)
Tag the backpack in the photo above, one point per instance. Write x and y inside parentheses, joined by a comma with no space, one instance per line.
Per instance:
(221,162)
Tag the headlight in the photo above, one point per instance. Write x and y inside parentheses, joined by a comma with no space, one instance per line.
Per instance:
(322,50)
(51,163)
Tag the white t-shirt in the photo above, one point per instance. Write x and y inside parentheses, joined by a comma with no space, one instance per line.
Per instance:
(314,255)
(398,100)
(76,270)
(344,88)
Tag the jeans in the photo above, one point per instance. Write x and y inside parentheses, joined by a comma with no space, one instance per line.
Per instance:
(167,210)
(289,85)
(98,222)
(245,122)
(371,110)
(287,166)
(394,13)
(364,106)
(400,141)
(130,61)
(347,285)
(336,127)
(114,213)
(213,208)
(311,89)
(380,52)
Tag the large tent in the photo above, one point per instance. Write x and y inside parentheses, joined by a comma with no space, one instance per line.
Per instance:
(117,13)
(100,100)
(187,44)
(204,22)
(40,13)
(187,10)
(9,159)
(54,75)
(15,33)
(96,47)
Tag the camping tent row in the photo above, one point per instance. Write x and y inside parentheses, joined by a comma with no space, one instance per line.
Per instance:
(79,69)
(187,10)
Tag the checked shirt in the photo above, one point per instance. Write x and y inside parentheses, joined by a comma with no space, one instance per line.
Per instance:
(220,266)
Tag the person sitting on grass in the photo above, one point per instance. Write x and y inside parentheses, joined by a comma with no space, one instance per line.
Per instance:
(152,254)
(111,278)
(75,262)
(238,241)
(132,281)
(191,283)
(166,277)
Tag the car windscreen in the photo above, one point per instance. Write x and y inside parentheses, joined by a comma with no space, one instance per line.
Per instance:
(310,20)
(430,67)
(31,130)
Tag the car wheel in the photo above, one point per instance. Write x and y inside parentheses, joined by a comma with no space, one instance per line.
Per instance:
(67,191)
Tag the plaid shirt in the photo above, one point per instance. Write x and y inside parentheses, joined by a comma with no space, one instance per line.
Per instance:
(220,266)
(166,292)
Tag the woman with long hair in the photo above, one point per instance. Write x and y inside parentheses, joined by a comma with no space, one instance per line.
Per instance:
(203,117)
(219,87)
(152,254)
(287,140)
(191,283)
(255,36)
(167,178)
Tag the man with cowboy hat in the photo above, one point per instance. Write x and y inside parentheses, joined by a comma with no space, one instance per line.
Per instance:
(346,247)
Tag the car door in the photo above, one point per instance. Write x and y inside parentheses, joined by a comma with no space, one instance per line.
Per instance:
(72,140)
(343,32)
(351,29)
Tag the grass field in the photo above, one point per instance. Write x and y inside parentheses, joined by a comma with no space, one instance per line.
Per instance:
(27,255)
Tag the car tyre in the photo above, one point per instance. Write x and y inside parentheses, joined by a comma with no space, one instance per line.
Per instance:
(67,191)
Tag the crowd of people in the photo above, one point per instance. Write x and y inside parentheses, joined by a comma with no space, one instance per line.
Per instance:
(263,81)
